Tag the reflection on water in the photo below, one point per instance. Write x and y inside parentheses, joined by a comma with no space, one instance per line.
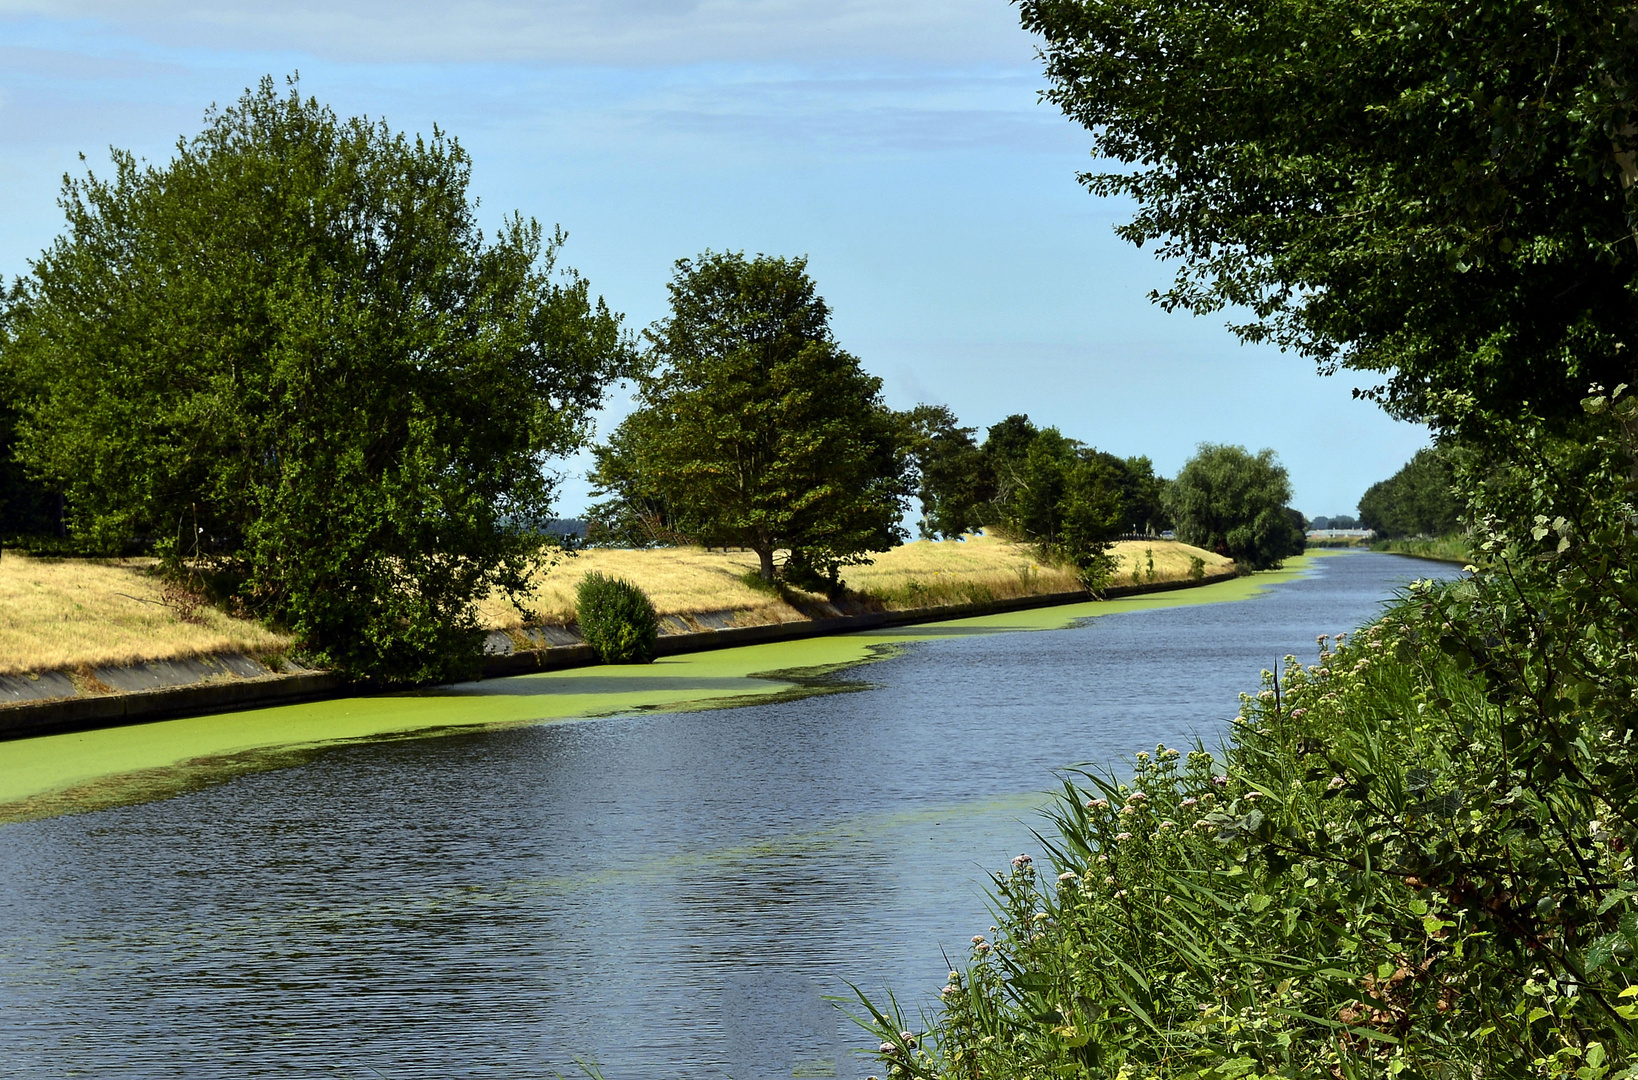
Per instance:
(667,895)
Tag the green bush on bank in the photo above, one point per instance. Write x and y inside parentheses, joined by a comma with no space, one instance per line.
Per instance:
(617,619)
(1415,860)
(1374,885)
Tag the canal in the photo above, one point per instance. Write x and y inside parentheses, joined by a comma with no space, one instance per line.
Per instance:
(661,893)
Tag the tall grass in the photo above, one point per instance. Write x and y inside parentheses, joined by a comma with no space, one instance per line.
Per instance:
(693,581)
(1451,549)
(985,568)
(68,613)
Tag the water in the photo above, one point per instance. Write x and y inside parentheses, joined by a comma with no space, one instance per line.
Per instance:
(665,895)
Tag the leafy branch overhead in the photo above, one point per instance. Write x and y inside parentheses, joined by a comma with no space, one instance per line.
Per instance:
(1441,193)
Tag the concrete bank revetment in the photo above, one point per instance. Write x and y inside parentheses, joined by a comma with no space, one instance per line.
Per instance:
(82,770)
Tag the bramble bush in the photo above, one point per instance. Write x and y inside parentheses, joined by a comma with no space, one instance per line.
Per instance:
(617,619)
(1414,857)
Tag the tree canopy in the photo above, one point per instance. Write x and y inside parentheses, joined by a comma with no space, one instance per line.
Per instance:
(1418,500)
(292,352)
(1439,192)
(952,481)
(1233,502)
(755,428)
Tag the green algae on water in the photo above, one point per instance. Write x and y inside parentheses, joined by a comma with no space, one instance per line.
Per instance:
(81,771)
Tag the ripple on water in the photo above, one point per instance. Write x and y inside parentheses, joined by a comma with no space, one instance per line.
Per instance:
(668,894)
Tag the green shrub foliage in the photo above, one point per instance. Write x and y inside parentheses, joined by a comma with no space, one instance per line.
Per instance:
(1414,858)
(1233,502)
(617,619)
(293,350)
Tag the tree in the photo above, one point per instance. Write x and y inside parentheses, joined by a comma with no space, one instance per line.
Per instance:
(1439,192)
(952,482)
(636,514)
(1418,500)
(27,508)
(291,356)
(1057,493)
(1142,494)
(1228,501)
(755,428)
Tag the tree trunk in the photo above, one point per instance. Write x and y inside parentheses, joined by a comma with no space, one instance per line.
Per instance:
(765,554)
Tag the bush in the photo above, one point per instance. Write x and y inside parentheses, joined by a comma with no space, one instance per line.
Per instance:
(617,619)
(1413,859)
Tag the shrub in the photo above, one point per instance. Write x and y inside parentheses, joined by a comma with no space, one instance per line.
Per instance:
(617,619)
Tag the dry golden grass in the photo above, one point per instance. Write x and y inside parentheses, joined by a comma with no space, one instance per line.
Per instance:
(680,581)
(1171,561)
(692,581)
(68,613)
(980,568)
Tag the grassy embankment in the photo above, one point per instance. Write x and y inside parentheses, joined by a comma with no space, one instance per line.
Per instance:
(56,774)
(75,613)
(63,614)
(692,581)
(1451,549)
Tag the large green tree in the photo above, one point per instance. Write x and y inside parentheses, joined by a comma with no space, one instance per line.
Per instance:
(292,352)
(1055,492)
(1228,500)
(756,428)
(952,481)
(1418,500)
(1441,192)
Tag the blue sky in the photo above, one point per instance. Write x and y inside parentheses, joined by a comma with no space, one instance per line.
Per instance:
(899,144)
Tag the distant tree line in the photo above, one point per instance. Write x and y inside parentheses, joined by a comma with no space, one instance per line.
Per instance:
(1418,500)
(754,428)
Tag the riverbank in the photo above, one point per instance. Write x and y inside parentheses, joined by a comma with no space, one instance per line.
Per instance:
(1448,549)
(100,643)
(53,774)
(695,588)
(156,690)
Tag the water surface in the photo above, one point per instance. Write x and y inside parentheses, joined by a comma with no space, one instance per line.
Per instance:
(667,894)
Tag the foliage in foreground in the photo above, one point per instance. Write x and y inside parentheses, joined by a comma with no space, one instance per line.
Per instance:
(617,619)
(291,356)
(1417,862)
(1441,191)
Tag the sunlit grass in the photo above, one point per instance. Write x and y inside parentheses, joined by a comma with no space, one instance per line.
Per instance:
(68,613)
(679,581)
(693,581)
(983,568)
(58,614)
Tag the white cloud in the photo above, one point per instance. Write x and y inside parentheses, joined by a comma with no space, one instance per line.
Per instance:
(601,32)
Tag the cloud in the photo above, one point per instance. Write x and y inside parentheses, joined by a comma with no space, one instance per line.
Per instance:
(597,32)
